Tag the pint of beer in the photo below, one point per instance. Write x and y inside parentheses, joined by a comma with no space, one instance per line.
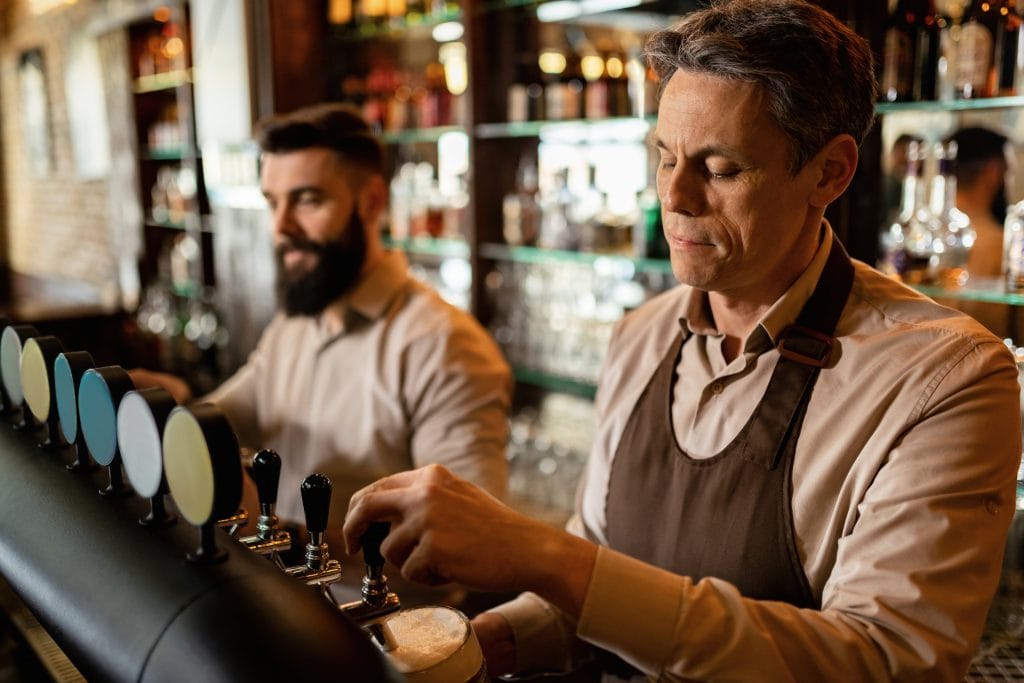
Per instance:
(434,645)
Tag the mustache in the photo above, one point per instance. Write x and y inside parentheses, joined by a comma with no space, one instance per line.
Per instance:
(298,244)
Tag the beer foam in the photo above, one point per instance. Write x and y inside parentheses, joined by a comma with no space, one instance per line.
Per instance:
(432,639)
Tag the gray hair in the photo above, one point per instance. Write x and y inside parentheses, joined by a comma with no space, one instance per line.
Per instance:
(816,74)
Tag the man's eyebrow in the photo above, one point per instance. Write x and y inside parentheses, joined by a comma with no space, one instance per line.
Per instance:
(703,153)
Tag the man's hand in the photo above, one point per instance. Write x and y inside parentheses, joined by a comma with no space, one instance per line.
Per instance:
(175,386)
(445,529)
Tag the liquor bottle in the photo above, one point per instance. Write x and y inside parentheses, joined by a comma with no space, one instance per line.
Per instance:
(1013,248)
(584,215)
(574,85)
(618,84)
(955,235)
(556,203)
(907,245)
(945,83)
(648,232)
(526,94)
(596,99)
(520,208)
(987,57)
(910,56)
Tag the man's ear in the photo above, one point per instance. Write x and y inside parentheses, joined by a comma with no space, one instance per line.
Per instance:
(835,165)
(373,199)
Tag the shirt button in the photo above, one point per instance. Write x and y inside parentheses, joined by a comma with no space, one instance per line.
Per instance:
(992,506)
(716,388)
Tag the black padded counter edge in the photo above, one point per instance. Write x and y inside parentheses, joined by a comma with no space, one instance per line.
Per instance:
(124,604)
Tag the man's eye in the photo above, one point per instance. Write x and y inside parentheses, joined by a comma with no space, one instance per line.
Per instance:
(723,174)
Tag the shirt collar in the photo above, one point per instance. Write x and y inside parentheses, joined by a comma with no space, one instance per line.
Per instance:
(371,296)
(696,318)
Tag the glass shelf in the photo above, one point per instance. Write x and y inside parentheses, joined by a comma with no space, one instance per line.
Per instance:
(565,385)
(950,105)
(400,137)
(162,81)
(990,290)
(623,128)
(397,28)
(430,246)
(503,252)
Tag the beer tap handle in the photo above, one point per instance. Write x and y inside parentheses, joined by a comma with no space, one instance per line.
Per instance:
(377,599)
(371,540)
(266,471)
(268,540)
(320,570)
(316,503)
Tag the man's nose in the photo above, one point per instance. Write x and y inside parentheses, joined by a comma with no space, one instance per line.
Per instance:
(683,192)
(283,223)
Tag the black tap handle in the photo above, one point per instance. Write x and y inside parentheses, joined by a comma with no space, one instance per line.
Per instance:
(316,501)
(266,470)
(371,540)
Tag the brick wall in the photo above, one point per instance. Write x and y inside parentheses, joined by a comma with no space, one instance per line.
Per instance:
(58,224)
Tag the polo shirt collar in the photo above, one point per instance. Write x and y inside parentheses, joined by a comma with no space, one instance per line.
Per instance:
(370,298)
(697,318)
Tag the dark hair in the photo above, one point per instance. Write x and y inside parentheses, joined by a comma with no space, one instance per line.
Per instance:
(975,147)
(339,127)
(817,74)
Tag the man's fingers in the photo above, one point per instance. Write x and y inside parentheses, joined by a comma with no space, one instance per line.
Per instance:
(383,505)
(420,567)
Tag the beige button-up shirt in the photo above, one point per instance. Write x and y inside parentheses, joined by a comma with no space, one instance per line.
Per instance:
(388,378)
(903,489)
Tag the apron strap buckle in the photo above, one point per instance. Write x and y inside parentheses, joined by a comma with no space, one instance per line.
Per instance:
(805,346)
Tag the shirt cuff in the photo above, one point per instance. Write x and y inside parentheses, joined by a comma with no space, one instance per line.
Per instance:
(543,634)
(631,609)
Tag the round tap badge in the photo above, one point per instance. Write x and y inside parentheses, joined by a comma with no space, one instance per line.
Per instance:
(99,394)
(140,424)
(68,369)
(11,342)
(37,357)
(202,463)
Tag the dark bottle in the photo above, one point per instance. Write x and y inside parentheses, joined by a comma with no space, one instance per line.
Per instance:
(987,56)
(574,85)
(525,100)
(911,53)
(596,104)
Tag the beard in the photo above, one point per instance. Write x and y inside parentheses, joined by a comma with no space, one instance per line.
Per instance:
(338,265)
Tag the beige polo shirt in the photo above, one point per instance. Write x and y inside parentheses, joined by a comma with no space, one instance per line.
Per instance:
(388,378)
(903,488)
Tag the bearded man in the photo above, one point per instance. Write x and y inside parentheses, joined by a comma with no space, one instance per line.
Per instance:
(364,371)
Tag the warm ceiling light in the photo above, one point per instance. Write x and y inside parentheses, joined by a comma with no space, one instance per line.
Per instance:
(162,14)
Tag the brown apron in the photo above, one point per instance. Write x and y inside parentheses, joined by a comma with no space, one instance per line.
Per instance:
(728,516)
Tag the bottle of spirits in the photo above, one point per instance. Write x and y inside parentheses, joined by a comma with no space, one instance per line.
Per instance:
(618,84)
(648,233)
(556,204)
(520,208)
(907,245)
(987,56)
(955,235)
(911,53)
(596,91)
